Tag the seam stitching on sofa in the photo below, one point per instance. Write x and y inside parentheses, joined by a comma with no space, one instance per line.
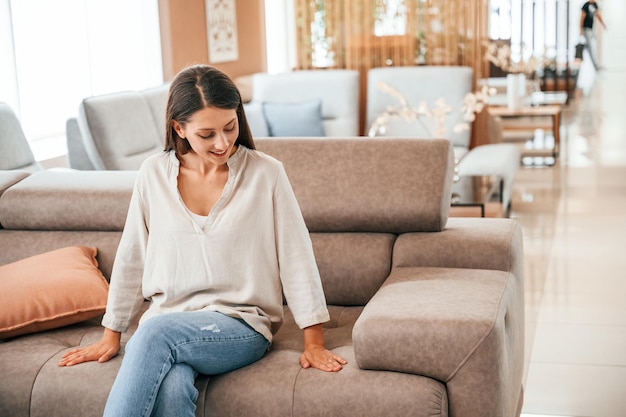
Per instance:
(293,392)
(487,333)
(32,388)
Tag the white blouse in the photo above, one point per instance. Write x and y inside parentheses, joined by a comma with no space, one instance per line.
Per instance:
(253,247)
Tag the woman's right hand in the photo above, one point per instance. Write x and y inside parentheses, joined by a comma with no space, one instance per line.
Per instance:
(101,351)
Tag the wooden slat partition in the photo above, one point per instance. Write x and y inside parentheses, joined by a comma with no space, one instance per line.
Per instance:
(450,32)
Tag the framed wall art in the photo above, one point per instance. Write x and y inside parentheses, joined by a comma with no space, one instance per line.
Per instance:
(221,18)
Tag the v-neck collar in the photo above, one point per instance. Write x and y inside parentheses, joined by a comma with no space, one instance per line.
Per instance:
(234,165)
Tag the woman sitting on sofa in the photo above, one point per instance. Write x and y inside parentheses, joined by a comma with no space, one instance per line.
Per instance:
(213,238)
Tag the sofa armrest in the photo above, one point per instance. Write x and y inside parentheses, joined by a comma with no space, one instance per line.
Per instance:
(474,243)
(464,327)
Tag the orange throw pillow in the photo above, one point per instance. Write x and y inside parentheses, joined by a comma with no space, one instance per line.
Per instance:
(51,290)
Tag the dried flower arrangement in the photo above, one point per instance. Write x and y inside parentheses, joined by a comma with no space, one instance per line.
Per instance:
(432,120)
(502,57)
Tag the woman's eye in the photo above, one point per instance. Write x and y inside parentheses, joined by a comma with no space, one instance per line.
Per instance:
(230,129)
(206,137)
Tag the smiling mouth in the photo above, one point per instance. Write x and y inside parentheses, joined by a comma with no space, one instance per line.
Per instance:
(220,153)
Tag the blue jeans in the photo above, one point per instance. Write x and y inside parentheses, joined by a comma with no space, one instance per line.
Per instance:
(164,356)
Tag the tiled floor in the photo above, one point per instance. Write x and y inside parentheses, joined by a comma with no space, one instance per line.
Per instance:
(574,220)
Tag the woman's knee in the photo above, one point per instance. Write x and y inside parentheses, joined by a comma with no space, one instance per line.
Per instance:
(151,334)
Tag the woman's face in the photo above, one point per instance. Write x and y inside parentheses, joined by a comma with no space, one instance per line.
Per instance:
(212,133)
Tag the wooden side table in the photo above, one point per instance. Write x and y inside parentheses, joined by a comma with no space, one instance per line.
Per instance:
(553,111)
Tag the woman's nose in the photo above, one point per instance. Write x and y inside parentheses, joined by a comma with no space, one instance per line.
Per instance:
(222,141)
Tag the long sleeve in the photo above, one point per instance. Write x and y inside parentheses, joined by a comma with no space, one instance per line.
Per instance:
(125,291)
(253,247)
(298,269)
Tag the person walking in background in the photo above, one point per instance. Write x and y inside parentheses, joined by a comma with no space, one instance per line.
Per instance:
(590,11)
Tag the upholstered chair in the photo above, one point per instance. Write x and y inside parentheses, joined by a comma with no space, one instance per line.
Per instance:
(16,152)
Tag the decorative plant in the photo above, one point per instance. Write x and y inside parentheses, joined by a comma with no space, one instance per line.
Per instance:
(502,57)
(431,119)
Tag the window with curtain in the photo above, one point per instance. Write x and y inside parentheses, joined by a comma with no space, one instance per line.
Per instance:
(59,52)
(362,34)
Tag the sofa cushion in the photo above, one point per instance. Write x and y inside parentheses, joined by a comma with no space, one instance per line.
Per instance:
(337,88)
(50,290)
(119,130)
(20,244)
(256,119)
(388,185)
(16,151)
(352,266)
(11,177)
(474,316)
(68,200)
(302,118)
(419,311)
(297,392)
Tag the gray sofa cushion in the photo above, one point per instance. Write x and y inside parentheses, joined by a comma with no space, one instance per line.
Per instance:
(256,119)
(472,315)
(302,118)
(337,89)
(20,244)
(119,130)
(16,152)
(76,155)
(368,185)
(297,392)
(352,265)
(68,200)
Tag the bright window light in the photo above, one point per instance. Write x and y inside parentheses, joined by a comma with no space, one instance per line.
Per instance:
(67,50)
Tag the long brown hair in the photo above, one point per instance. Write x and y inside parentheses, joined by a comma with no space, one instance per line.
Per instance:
(195,88)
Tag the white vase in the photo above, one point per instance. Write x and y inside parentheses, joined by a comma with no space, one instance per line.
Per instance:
(515,90)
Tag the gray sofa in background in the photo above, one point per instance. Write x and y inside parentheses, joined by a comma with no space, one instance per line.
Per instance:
(118,130)
(15,152)
(428,311)
(285,104)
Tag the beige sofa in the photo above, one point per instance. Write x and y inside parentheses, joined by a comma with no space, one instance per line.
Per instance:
(429,311)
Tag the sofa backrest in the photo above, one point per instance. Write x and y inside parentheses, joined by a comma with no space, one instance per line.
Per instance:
(51,209)
(77,157)
(337,89)
(387,185)
(356,195)
(120,130)
(15,152)
(421,84)
(68,200)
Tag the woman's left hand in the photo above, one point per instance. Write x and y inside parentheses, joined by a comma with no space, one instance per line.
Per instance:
(317,356)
